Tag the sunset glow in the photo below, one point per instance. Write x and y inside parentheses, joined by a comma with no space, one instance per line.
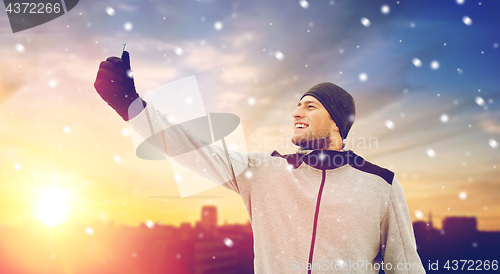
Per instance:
(52,209)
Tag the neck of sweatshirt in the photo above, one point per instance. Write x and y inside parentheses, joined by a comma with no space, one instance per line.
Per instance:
(323,159)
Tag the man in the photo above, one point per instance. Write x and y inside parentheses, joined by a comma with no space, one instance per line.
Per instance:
(321,209)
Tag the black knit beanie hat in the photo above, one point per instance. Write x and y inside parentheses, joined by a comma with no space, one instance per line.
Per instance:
(338,102)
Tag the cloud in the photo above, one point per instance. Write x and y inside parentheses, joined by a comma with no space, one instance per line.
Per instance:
(10,82)
(489,122)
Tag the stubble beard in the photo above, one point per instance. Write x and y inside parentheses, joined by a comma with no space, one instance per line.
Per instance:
(313,140)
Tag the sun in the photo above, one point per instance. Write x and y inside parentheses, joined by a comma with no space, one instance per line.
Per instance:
(52,208)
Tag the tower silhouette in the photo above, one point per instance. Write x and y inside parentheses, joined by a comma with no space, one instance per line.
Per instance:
(209,217)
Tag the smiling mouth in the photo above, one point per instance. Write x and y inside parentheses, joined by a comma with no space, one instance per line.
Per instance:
(301,126)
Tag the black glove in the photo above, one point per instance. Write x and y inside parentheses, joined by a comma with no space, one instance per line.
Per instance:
(115,85)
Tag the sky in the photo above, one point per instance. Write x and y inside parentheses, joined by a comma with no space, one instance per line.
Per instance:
(423,75)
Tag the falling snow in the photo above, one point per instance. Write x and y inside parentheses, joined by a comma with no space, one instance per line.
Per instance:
(444,118)
(110,11)
(479,101)
(52,83)
(20,48)
(228,242)
(251,101)
(417,62)
(434,65)
(304,4)
(117,158)
(128,26)
(493,143)
(179,51)
(365,22)
(279,55)
(125,132)
(218,25)
(419,214)
(248,174)
(363,77)
(431,153)
(234,147)
(67,129)
(89,231)
(17,167)
(389,124)
(462,195)
(149,224)
(467,20)
(385,9)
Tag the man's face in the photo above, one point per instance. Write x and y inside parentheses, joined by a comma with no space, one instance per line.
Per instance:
(313,125)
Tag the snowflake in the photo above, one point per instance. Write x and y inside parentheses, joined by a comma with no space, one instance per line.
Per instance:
(479,101)
(363,77)
(179,51)
(444,118)
(67,129)
(248,174)
(434,65)
(110,11)
(149,224)
(20,48)
(431,153)
(304,4)
(117,158)
(228,242)
(218,25)
(385,9)
(89,231)
(493,143)
(52,83)
(417,62)
(467,20)
(365,22)
(128,26)
(279,55)
(389,124)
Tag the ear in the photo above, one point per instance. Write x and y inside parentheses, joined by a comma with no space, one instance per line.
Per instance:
(335,127)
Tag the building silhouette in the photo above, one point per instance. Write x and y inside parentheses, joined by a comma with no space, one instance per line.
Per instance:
(458,240)
(204,248)
(209,217)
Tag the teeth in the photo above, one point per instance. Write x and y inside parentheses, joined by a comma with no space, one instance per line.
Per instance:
(300,126)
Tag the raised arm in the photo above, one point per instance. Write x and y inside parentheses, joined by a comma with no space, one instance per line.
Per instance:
(214,162)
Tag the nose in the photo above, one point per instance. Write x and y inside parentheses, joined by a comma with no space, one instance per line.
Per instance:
(297,113)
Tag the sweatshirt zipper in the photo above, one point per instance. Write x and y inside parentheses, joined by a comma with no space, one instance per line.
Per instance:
(316,220)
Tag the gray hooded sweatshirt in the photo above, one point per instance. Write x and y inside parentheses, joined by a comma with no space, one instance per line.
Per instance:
(319,211)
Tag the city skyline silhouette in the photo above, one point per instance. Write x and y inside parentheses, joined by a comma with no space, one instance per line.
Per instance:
(206,247)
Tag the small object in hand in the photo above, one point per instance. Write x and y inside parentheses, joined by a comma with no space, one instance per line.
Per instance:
(124,45)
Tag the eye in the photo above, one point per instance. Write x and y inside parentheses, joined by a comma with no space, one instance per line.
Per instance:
(310,106)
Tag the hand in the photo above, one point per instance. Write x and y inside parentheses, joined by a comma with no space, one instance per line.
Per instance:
(115,85)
